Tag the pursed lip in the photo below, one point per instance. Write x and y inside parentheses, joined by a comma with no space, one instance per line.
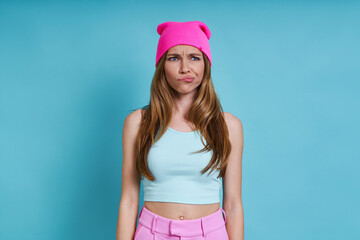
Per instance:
(186,78)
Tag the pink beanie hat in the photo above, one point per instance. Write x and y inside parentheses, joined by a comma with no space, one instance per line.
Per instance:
(194,33)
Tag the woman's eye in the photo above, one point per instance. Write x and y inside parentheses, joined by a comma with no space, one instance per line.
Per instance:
(196,58)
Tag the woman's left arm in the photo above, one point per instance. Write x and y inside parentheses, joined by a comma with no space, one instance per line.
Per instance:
(232,202)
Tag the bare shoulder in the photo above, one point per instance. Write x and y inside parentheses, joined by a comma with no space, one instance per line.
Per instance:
(233,123)
(132,122)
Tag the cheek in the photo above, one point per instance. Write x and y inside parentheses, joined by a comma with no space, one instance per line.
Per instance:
(200,71)
(169,72)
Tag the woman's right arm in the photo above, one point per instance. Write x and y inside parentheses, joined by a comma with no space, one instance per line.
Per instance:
(130,184)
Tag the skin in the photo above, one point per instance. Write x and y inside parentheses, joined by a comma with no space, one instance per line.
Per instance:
(180,62)
(184,60)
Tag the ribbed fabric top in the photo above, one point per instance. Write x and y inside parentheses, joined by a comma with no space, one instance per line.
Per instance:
(177,170)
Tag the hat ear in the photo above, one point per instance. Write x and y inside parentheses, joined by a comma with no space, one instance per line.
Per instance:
(161,27)
(205,29)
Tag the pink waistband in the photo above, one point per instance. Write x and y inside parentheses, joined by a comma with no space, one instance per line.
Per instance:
(184,228)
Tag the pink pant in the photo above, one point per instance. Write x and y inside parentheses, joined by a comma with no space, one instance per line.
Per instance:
(154,227)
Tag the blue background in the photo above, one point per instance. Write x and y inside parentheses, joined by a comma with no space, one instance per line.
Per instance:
(71,71)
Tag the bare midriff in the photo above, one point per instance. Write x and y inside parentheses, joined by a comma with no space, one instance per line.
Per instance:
(181,211)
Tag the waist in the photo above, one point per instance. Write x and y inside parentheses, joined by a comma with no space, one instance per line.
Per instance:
(185,228)
(174,210)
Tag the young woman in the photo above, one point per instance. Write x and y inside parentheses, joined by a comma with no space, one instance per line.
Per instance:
(181,145)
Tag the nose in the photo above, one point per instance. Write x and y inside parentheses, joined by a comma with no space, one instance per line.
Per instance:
(184,66)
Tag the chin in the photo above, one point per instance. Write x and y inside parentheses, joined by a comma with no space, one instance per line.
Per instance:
(186,90)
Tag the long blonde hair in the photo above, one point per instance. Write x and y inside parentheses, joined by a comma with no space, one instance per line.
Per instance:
(205,114)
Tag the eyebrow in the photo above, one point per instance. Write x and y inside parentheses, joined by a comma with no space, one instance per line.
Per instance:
(175,54)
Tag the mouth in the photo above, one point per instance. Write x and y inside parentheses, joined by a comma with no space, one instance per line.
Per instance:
(186,79)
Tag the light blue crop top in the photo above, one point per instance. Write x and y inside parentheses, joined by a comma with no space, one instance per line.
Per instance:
(177,170)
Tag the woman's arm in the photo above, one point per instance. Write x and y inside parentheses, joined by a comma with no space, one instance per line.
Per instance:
(130,184)
(126,224)
(232,202)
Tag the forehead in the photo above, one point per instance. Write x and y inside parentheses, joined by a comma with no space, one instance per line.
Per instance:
(183,49)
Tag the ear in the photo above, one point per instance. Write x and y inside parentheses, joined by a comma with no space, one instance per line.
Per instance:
(205,29)
(162,26)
